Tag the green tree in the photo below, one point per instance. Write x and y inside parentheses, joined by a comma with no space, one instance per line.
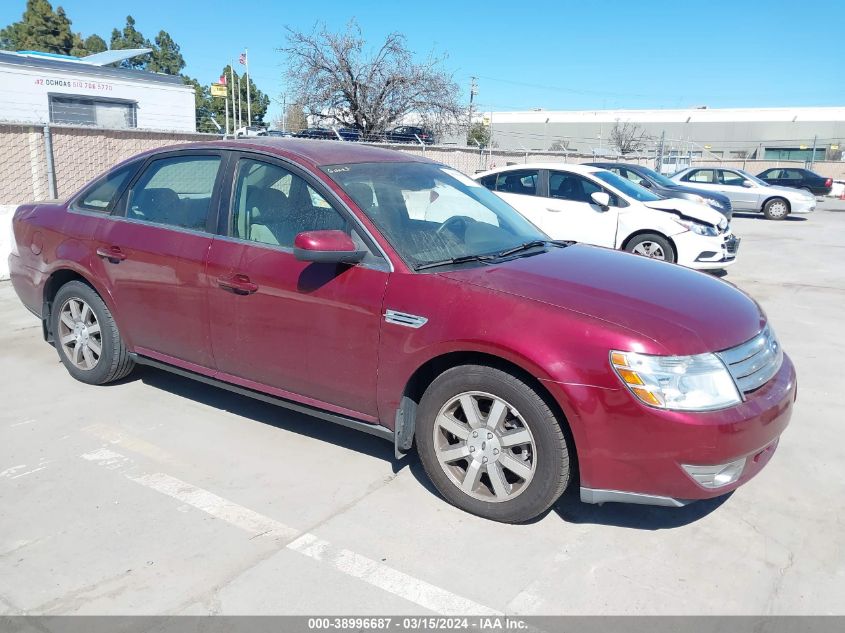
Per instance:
(260,101)
(166,56)
(130,37)
(478,135)
(95,44)
(40,29)
(203,103)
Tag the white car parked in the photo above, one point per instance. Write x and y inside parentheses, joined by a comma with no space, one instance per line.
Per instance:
(595,206)
(747,192)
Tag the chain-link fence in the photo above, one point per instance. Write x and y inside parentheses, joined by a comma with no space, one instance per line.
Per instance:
(81,153)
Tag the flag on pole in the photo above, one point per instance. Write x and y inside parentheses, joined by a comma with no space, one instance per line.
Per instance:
(242,59)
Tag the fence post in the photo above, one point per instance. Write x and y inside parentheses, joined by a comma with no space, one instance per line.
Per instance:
(51,170)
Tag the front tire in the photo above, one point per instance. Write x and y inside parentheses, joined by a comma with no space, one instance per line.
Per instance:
(653,246)
(86,336)
(491,445)
(776,209)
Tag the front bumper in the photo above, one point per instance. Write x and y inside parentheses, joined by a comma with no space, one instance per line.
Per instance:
(803,206)
(706,253)
(632,453)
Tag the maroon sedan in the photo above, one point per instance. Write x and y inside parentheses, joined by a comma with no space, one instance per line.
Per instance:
(397,296)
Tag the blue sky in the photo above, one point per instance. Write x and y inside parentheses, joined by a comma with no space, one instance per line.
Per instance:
(563,54)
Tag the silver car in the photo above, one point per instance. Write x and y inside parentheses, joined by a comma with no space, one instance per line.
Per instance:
(747,192)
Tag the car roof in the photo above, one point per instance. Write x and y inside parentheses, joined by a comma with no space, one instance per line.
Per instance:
(572,167)
(313,151)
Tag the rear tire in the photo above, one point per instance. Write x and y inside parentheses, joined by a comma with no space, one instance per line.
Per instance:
(86,336)
(776,209)
(507,460)
(653,246)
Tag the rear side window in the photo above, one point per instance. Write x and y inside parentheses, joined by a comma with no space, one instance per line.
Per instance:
(175,192)
(522,182)
(103,193)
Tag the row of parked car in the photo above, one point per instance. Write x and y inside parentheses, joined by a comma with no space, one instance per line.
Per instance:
(394,295)
(401,134)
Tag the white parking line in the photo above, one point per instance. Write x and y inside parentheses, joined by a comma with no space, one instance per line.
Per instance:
(345,561)
(387,578)
(218,507)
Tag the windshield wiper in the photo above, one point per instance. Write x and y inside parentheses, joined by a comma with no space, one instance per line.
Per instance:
(455,260)
(522,247)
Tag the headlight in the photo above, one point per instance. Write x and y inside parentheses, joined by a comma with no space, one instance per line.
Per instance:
(683,383)
(716,204)
(697,227)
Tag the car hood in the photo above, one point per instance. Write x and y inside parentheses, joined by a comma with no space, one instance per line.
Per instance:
(695,210)
(683,311)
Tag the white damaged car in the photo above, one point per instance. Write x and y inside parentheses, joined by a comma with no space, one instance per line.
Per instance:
(595,206)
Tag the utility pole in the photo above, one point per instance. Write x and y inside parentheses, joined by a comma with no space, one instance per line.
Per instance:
(658,161)
(813,155)
(248,100)
(284,112)
(473,90)
(234,98)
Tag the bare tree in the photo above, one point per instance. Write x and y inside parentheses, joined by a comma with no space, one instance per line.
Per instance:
(628,138)
(337,81)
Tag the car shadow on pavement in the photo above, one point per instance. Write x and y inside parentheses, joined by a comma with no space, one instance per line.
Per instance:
(760,216)
(266,413)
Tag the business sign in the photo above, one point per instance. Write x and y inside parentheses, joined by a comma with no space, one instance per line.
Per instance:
(218,90)
(56,82)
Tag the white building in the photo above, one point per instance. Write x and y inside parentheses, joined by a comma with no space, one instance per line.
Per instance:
(770,133)
(46,88)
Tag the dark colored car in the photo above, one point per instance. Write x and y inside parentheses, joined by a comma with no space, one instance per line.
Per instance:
(662,186)
(799,178)
(391,294)
(346,134)
(409,134)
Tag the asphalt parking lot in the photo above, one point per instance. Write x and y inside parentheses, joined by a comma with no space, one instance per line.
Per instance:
(159,495)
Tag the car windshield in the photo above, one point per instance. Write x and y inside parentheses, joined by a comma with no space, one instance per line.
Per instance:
(430,213)
(660,179)
(626,186)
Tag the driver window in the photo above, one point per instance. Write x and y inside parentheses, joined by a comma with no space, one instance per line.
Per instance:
(272,205)
(731,178)
(568,186)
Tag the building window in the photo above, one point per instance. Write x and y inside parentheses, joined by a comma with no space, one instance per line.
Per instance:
(87,111)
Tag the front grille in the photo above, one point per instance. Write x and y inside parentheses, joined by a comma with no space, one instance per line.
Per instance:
(753,363)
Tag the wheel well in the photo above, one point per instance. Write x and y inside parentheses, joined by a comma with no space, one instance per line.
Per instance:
(51,287)
(426,373)
(786,200)
(636,234)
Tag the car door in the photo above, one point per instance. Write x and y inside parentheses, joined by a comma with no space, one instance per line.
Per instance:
(305,331)
(152,254)
(742,197)
(571,213)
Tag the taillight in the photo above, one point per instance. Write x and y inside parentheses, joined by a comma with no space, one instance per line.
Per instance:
(828,182)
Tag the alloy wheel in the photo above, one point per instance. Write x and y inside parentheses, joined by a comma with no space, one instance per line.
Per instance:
(79,334)
(649,249)
(484,446)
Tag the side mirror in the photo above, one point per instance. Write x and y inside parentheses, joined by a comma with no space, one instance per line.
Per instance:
(748,183)
(326,247)
(645,183)
(601,198)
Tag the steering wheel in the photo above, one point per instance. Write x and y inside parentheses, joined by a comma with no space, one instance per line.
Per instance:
(457,225)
